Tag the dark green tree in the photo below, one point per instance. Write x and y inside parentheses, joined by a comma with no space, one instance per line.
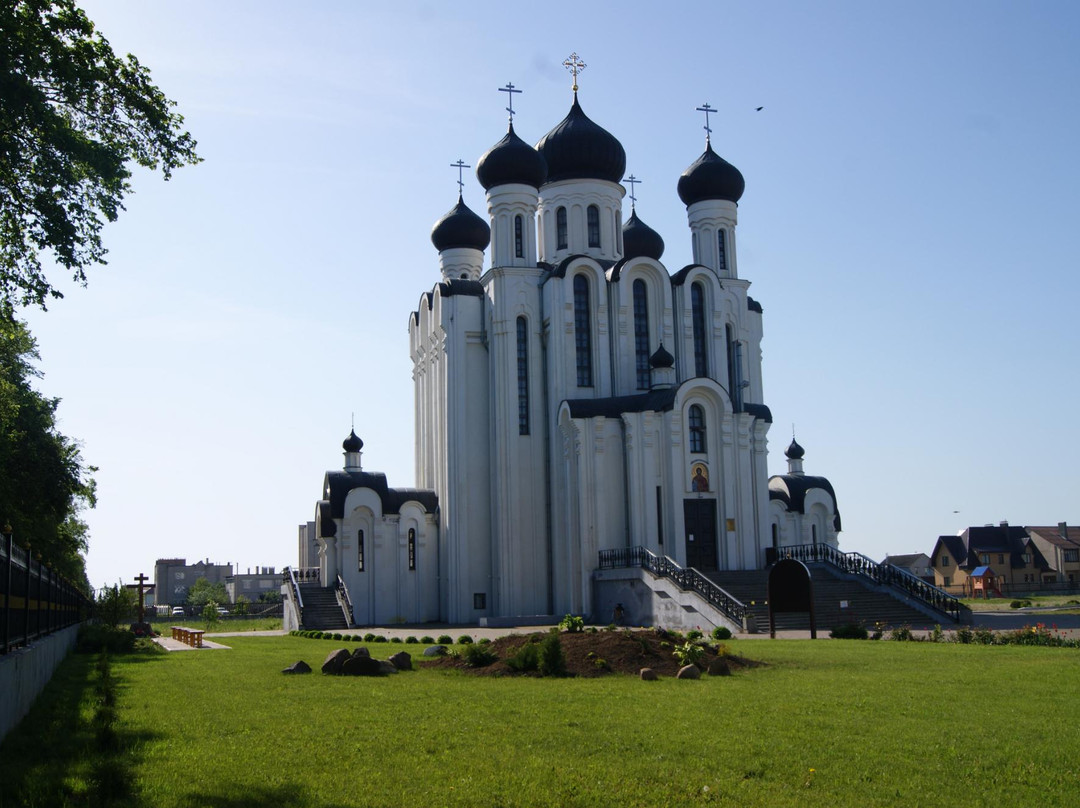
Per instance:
(202,592)
(44,483)
(115,605)
(73,117)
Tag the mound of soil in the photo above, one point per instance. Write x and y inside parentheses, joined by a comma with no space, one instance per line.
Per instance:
(599,654)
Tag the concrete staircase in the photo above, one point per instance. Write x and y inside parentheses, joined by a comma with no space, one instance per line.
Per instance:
(321,609)
(865,604)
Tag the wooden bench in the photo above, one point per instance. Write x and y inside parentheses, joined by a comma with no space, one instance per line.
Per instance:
(188,636)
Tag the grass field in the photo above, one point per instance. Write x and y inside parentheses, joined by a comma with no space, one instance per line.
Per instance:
(827,723)
(1052,603)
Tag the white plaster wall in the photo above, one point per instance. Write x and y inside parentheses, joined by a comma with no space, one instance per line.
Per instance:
(25,672)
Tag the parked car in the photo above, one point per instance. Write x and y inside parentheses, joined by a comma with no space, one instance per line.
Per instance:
(222,611)
(177,611)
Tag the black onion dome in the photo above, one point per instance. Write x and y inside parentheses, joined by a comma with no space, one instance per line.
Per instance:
(509,161)
(352,443)
(460,227)
(794,451)
(577,148)
(661,358)
(711,177)
(640,240)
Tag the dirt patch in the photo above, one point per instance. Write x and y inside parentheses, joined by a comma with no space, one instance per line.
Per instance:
(600,654)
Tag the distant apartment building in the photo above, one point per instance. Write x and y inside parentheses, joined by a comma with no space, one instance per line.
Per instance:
(174,576)
(253,585)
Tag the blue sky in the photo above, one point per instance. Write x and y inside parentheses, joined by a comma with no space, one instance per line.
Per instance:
(909,227)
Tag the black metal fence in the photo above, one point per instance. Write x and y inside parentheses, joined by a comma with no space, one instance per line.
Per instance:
(685,578)
(34,600)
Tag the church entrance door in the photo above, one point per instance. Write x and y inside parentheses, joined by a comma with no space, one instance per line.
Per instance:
(700,518)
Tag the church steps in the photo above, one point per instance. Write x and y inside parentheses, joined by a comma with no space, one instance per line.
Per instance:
(322,611)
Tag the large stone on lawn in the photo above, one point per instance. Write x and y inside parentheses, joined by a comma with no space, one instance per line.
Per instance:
(402,661)
(689,672)
(435,650)
(719,667)
(386,666)
(334,660)
(361,666)
(298,667)
(648,675)
(361,651)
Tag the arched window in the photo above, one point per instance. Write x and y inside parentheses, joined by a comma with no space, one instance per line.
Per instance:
(523,375)
(735,371)
(697,314)
(721,251)
(697,429)
(519,239)
(582,331)
(775,535)
(813,534)
(593,215)
(641,335)
(412,548)
(359,551)
(561,240)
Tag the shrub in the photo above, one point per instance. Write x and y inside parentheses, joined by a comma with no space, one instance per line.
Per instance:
(427,640)
(445,639)
(477,656)
(551,661)
(395,639)
(721,633)
(1019,604)
(527,658)
(901,634)
(601,664)
(380,638)
(97,637)
(849,631)
(964,635)
(572,624)
(689,653)
(983,636)
(694,634)
(592,630)
(337,635)
(369,637)
(484,641)
(937,635)
(464,639)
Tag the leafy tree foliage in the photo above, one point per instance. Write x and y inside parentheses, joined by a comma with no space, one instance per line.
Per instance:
(73,117)
(44,483)
(202,592)
(115,605)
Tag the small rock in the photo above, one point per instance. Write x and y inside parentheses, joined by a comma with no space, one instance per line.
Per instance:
(334,660)
(361,666)
(719,667)
(689,672)
(362,651)
(402,661)
(386,666)
(648,675)
(435,650)
(298,667)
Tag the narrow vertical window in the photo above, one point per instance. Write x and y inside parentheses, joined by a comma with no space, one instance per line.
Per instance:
(359,551)
(519,238)
(641,336)
(697,315)
(775,535)
(583,331)
(697,429)
(813,534)
(593,215)
(560,229)
(523,375)
(659,516)
(412,548)
(721,251)
(734,359)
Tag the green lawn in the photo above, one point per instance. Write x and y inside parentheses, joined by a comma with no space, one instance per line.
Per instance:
(1037,602)
(827,723)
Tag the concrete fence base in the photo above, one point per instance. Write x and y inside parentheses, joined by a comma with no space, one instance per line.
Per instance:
(25,672)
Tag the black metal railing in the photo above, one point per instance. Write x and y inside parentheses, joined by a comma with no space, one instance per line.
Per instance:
(884,574)
(34,600)
(289,577)
(687,579)
(344,601)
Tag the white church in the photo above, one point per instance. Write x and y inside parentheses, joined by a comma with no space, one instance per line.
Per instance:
(572,395)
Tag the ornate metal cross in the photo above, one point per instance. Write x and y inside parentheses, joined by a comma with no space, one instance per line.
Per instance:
(460,166)
(632,181)
(510,90)
(574,64)
(706,109)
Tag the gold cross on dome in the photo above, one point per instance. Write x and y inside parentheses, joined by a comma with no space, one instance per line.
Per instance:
(574,64)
